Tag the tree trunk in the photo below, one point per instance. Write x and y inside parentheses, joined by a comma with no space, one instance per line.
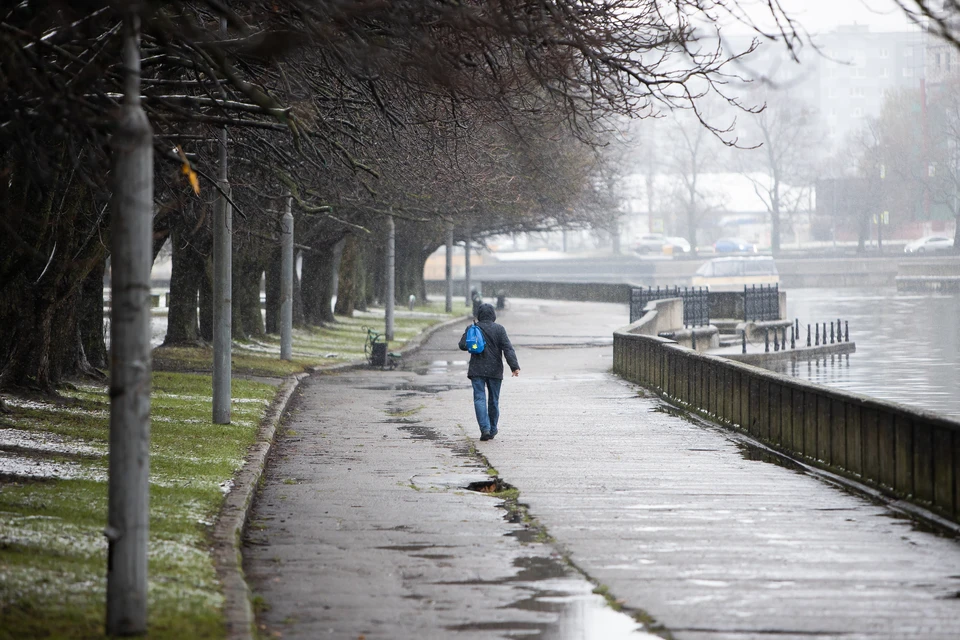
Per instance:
(775,228)
(299,319)
(273,292)
(319,271)
(186,277)
(206,300)
(247,314)
(956,232)
(316,300)
(409,266)
(91,318)
(348,277)
(42,275)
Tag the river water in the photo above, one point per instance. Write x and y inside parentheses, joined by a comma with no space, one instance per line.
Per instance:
(908,344)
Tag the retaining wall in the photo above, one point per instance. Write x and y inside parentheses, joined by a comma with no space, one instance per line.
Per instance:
(577,291)
(903,452)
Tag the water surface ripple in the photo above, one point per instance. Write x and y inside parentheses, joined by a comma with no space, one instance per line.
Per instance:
(908,345)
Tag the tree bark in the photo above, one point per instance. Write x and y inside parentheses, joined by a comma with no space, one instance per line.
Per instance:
(45,256)
(273,292)
(247,315)
(319,271)
(91,318)
(206,301)
(299,319)
(186,277)
(348,278)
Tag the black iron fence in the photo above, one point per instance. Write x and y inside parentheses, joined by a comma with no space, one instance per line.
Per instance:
(761,303)
(696,303)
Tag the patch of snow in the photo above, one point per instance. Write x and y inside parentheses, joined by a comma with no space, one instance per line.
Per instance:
(48,469)
(47,442)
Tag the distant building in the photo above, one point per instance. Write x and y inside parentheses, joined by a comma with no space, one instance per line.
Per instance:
(943,59)
(846,79)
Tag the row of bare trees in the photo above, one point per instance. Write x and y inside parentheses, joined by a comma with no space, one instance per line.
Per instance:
(486,114)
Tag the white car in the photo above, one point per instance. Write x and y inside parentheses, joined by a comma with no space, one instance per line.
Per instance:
(678,243)
(649,243)
(929,243)
(659,243)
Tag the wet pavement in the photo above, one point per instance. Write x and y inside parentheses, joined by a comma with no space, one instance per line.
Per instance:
(365,526)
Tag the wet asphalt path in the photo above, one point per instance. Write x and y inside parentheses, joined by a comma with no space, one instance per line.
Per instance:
(364,528)
(673,517)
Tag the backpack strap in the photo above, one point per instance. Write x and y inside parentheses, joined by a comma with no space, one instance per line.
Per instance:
(486,337)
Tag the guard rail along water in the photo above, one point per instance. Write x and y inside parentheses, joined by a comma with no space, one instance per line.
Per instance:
(903,452)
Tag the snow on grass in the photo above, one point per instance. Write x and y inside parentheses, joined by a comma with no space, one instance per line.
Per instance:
(53,503)
(48,443)
(53,486)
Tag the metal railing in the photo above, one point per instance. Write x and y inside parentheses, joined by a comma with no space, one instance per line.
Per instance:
(696,303)
(761,303)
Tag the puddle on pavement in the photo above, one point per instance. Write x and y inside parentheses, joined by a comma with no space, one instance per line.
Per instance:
(489,485)
(413,389)
(418,431)
(759,454)
(575,612)
(415,547)
(436,367)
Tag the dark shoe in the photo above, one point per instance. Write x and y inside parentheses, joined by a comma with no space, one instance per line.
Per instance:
(484,436)
(493,434)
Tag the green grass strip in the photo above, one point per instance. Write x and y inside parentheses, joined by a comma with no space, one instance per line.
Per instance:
(53,506)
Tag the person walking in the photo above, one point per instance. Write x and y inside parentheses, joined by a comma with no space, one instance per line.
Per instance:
(486,369)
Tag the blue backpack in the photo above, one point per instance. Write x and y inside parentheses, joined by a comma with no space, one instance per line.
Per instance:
(475,340)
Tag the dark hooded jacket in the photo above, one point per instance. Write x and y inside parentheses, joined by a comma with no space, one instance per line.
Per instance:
(489,364)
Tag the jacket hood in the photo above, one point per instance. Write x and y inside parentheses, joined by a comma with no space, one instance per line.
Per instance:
(486,313)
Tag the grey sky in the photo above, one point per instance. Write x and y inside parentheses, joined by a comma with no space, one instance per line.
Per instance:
(825,15)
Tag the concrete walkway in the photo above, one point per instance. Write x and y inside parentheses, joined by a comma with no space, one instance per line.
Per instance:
(361,527)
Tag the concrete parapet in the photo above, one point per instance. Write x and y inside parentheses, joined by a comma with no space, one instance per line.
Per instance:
(904,452)
(800,353)
(755,330)
(929,267)
(577,291)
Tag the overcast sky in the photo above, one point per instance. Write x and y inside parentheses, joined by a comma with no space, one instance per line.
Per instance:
(826,15)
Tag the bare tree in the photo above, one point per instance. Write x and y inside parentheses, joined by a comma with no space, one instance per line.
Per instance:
(942,177)
(686,160)
(789,143)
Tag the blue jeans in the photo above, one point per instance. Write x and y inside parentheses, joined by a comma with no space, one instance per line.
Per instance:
(487,407)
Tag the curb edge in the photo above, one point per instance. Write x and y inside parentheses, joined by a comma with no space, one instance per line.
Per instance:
(232,519)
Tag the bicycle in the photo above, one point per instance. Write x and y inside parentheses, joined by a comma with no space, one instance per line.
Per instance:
(375,351)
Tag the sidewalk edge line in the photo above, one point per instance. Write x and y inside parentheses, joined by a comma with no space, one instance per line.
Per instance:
(232,519)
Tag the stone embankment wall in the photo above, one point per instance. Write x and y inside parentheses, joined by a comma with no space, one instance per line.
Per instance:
(903,452)
(577,291)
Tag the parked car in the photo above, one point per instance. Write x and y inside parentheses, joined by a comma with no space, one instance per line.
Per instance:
(733,245)
(929,243)
(659,243)
(679,245)
(732,273)
(649,243)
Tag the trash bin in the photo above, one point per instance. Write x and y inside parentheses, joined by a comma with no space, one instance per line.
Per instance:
(378,354)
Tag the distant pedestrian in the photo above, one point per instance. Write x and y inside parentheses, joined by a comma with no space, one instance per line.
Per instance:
(476,300)
(486,369)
